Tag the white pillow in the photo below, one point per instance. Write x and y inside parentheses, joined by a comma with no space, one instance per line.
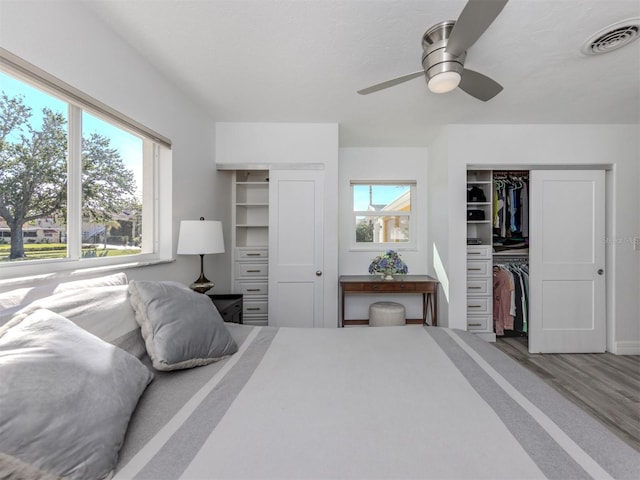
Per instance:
(181,328)
(66,398)
(104,311)
(13,300)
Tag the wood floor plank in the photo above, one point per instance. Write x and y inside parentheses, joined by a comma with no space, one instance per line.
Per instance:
(606,386)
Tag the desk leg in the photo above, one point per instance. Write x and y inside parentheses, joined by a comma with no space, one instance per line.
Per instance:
(434,307)
(425,304)
(430,306)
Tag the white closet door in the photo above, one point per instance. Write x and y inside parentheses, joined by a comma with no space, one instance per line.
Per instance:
(567,261)
(296,248)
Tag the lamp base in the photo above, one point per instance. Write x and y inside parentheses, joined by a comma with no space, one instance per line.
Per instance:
(202,284)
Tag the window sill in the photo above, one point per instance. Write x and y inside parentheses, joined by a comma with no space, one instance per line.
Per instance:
(65,274)
(381,247)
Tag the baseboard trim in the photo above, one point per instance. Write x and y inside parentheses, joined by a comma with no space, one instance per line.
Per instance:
(626,347)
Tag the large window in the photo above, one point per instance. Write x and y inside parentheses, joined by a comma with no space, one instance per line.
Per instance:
(382,214)
(75,182)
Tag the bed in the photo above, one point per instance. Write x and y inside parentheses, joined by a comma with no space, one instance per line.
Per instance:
(391,402)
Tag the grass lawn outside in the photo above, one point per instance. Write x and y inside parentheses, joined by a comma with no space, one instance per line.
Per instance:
(39,251)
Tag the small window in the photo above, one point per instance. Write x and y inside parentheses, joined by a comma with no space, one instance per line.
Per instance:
(383,214)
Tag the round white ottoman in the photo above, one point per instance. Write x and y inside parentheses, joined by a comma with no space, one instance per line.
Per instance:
(384,314)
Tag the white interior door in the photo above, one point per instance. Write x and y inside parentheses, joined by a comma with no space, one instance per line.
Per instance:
(296,248)
(567,261)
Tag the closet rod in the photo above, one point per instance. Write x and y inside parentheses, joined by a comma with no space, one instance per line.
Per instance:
(511,172)
(506,259)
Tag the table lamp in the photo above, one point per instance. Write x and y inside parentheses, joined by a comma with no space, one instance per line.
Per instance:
(200,237)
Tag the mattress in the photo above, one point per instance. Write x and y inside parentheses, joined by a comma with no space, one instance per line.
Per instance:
(392,402)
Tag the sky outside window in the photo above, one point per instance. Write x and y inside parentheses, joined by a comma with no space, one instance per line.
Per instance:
(380,195)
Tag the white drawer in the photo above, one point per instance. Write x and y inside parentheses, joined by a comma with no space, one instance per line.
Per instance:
(255,308)
(478,268)
(479,322)
(252,288)
(478,305)
(252,270)
(256,320)
(479,251)
(251,253)
(479,286)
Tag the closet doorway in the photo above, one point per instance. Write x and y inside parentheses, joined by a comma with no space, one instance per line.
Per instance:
(548,255)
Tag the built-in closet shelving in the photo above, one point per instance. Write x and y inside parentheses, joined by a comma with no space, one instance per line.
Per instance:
(479,253)
(250,219)
(491,245)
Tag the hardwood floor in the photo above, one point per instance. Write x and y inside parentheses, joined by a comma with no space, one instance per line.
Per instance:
(605,385)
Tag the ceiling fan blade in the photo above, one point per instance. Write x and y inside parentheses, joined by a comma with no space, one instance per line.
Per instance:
(390,83)
(475,18)
(479,85)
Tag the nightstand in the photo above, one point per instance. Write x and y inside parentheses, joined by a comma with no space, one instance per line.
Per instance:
(229,305)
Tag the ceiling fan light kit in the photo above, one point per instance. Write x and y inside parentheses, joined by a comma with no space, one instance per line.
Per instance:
(443,69)
(445,48)
(444,82)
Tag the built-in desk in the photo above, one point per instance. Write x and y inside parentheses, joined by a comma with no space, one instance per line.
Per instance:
(424,284)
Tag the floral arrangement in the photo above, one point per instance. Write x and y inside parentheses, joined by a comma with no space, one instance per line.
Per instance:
(388,263)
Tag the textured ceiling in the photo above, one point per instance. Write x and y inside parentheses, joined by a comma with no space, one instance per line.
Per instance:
(303,60)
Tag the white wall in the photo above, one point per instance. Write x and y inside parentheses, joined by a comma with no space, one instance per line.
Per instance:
(539,145)
(68,41)
(269,143)
(438,221)
(382,164)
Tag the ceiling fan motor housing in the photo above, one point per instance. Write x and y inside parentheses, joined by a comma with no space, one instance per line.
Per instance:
(435,59)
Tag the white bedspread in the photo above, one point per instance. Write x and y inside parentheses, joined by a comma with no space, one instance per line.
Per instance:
(395,402)
(379,403)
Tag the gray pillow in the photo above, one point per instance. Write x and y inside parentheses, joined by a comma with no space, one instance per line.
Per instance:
(106,312)
(66,398)
(181,328)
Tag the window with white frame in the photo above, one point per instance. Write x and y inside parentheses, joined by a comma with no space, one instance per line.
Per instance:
(383,214)
(78,181)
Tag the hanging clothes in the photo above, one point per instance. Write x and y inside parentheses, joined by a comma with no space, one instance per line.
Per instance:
(510,297)
(510,211)
(503,287)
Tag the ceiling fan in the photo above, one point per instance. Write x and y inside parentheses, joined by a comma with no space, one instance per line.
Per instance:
(445,48)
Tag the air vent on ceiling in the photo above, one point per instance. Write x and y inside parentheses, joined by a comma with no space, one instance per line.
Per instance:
(613,37)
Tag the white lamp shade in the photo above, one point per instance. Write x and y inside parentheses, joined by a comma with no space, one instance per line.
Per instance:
(200,237)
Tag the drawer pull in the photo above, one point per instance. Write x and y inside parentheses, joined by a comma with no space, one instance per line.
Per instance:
(475,306)
(253,271)
(474,288)
(474,253)
(253,289)
(253,309)
(474,324)
(253,254)
(474,269)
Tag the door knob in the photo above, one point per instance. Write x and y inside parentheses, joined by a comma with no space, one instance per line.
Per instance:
(600,271)
(319,273)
